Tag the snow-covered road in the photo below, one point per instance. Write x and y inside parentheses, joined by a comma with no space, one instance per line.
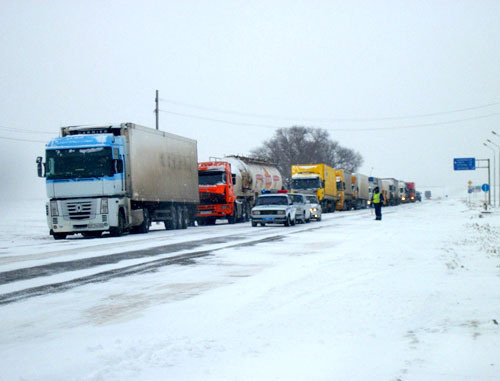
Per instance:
(414,297)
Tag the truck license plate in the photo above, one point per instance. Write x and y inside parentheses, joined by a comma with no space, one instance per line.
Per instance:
(268,219)
(206,212)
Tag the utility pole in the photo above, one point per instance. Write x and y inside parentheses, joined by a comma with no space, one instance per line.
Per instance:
(494,170)
(157,110)
(489,184)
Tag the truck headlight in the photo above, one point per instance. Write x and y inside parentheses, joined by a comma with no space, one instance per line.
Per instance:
(281,212)
(255,212)
(53,208)
(104,206)
(314,209)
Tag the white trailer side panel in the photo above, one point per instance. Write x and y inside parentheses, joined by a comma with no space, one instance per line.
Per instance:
(362,184)
(163,166)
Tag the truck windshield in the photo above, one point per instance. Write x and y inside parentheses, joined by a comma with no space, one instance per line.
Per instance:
(272,200)
(79,163)
(313,183)
(211,177)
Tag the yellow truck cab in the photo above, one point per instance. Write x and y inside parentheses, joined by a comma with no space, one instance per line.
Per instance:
(316,179)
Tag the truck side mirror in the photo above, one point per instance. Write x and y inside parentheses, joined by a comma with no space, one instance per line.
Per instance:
(39,166)
(118,166)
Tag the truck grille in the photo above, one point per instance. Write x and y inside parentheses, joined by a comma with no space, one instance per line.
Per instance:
(79,210)
(212,198)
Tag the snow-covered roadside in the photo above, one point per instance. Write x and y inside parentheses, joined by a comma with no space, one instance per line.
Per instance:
(414,297)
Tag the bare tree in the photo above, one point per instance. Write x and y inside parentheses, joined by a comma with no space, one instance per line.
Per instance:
(306,145)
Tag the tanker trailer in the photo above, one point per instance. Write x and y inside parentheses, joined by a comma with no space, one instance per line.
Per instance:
(229,187)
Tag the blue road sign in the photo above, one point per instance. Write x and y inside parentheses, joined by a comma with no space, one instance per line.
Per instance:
(464,164)
(485,187)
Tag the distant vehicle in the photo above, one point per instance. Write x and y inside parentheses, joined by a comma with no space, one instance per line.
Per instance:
(361,191)
(318,180)
(390,188)
(345,190)
(303,207)
(274,208)
(403,195)
(418,196)
(428,195)
(410,187)
(316,209)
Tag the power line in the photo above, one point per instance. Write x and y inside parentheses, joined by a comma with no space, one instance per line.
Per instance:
(444,123)
(221,120)
(25,131)
(22,140)
(368,119)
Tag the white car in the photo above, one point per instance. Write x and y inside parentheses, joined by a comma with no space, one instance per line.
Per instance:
(316,209)
(275,208)
(303,213)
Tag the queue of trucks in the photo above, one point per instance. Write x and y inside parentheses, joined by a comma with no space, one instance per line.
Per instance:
(121,178)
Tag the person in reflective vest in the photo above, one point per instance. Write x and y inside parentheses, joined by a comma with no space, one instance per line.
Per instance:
(377,201)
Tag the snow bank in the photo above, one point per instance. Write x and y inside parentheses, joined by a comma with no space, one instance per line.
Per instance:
(413,297)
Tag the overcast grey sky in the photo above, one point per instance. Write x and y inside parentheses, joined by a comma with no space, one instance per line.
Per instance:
(352,67)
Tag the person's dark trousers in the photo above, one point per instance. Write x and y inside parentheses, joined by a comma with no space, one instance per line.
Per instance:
(378,211)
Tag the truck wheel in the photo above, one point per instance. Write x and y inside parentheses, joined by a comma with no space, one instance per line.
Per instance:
(254,224)
(146,222)
(118,231)
(171,224)
(58,236)
(293,222)
(288,222)
(232,219)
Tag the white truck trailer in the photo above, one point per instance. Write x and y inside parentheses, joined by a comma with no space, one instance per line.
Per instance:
(361,191)
(117,179)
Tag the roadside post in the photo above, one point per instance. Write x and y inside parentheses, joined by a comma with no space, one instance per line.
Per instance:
(486,189)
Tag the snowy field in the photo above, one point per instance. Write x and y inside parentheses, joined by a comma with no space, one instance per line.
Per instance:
(413,297)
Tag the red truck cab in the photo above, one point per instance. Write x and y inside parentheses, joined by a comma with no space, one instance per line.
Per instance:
(217,196)
(412,195)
